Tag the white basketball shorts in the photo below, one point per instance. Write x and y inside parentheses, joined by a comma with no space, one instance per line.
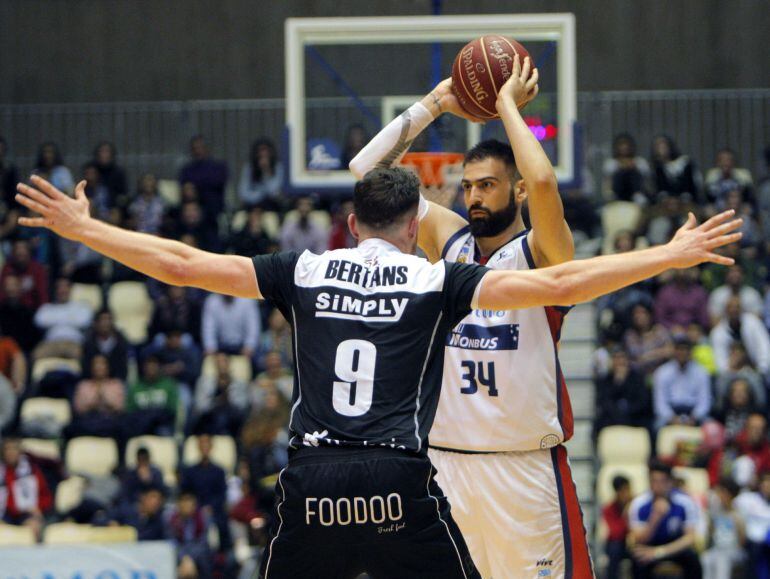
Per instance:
(518,511)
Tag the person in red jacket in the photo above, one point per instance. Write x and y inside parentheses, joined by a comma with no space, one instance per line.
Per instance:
(33,276)
(751,442)
(616,519)
(24,494)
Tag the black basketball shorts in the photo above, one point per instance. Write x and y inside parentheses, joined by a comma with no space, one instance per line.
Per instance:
(342,512)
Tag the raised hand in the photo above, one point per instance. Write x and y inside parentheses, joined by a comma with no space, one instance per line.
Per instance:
(64,215)
(442,99)
(694,244)
(520,88)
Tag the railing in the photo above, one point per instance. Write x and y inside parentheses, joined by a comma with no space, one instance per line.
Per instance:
(153,136)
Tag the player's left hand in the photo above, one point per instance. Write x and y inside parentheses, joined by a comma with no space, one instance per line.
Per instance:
(694,244)
(443,100)
(56,211)
(521,87)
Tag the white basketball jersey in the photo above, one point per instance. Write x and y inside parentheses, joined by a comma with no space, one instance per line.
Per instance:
(503,389)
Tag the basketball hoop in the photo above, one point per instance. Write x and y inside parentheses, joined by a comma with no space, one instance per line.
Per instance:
(434,168)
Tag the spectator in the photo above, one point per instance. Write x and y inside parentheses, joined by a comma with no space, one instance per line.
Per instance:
(209,177)
(750,229)
(673,174)
(17,317)
(153,400)
(303,233)
(98,194)
(726,176)
(648,345)
(148,207)
(580,213)
(7,404)
(663,524)
(188,530)
(622,397)
(746,328)
(263,435)
(735,285)
(702,352)
(251,239)
(341,237)
(747,455)
(739,369)
(230,325)
(626,174)
(111,175)
(735,408)
(682,302)
(25,493)
(143,477)
(221,401)
(145,515)
(179,358)
(175,309)
(615,518)
(206,481)
(275,374)
(262,177)
(99,403)
(79,263)
(9,177)
(31,274)
(355,140)
(754,507)
(50,166)
(727,533)
(192,222)
(13,364)
(64,323)
(277,338)
(682,389)
(106,340)
(666,217)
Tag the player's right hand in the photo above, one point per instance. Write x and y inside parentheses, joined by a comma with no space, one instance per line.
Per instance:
(56,211)
(694,244)
(521,87)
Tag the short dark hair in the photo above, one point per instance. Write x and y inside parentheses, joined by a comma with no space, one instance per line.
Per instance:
(491,149)
(732,487)
(385,195)
(619,482)
(659,466)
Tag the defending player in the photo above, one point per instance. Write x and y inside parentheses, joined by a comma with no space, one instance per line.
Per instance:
(368,331)
(504,410)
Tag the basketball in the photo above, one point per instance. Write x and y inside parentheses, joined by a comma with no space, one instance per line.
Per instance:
(480,69)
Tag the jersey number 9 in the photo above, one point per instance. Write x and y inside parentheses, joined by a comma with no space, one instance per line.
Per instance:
(354,368)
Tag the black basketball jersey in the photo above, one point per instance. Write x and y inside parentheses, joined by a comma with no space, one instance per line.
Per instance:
(369,326)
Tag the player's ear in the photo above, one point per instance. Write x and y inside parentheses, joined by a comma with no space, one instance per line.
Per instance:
(353,225)
(520,191)
(414,225)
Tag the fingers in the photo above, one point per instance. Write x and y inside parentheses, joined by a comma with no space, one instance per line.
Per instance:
(525,69)
(32,204)
(691,221)
(717,220)
(725,228)
(723,240)
(516,65)
(532,82)
(32,221)
(720,259)
(46,187)
(32,193)
(535,91)
(80,190)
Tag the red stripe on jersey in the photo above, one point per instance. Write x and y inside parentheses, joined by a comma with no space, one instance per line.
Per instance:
(582,568)
(555,318)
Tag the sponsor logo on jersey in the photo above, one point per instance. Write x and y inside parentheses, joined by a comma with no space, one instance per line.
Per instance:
(370,309)
(354,510)
(473,337)
(549,441)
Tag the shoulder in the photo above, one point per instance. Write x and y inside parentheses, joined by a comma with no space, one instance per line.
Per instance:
(641,502)
(684,501)
(458,238)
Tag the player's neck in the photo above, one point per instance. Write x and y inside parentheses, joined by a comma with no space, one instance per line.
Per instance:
(487,245)
(401,244)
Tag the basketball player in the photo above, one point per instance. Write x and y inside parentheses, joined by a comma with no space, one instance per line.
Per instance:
(368,330)
(504,410)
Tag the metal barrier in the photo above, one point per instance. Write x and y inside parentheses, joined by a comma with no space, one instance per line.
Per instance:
(153,136)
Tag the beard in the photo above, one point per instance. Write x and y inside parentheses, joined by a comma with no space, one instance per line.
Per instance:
(495,222)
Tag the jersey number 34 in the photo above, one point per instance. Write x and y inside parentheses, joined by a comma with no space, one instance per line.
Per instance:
(475,374)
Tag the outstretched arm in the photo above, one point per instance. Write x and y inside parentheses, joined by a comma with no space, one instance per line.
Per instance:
(550,239)
(584,280)
(169,261)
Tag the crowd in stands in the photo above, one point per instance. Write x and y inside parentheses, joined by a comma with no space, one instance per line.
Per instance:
(690,348)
